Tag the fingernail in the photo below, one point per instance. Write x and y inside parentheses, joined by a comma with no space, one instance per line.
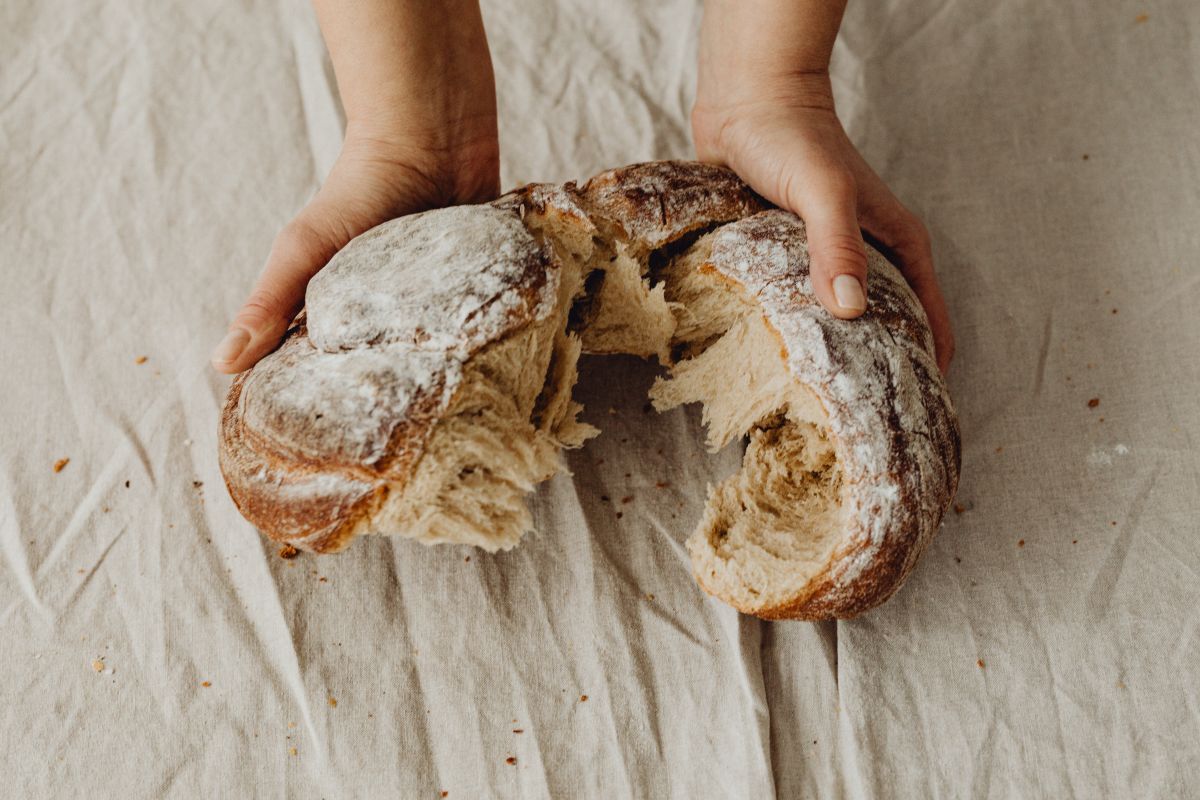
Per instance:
(849,293)
(231,346)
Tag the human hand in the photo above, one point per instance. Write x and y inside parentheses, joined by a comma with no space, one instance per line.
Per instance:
(421,134)
(778,130)
(371,182)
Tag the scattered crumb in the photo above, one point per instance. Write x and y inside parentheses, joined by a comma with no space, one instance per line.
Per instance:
(288,552)
(445,793)
(98,665)
(197,484)
(1140,18)
(627,499)
(1020,543)
(583,698)
(628,474)
(291,724)
(612,412)
(1074,541)
(518,730)
(1085,156)
(1120,684)
(620,514)
(661,485)
(1101,419)
(126,484)
(959,508)
(510,760)
(649,595)
(1000,449)
(1114,523)
(980,663)
(62,462)
(333,702)
(605,498)
(206,684)
(140,360)
(1114,311)
(957,560)
(1095,401)
(323,579)
(294,751)
(468,558)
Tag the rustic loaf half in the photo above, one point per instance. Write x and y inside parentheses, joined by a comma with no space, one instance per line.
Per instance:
(427,388)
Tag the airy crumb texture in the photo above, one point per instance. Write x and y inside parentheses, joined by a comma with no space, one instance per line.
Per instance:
(430,406)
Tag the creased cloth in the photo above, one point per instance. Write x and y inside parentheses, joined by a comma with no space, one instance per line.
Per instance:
(154,646)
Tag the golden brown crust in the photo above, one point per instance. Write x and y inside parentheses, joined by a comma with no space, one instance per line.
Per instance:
(315,483)
(287,499)
(894,428)
(652,204)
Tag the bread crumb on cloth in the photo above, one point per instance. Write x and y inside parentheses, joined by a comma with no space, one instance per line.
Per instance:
(62,462)
(1095,401)
(140,360)
(288,552)
(980,664)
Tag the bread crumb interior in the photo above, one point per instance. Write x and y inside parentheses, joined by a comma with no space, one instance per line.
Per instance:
(766,530)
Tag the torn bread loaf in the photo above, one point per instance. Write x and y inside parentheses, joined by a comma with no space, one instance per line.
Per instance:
(427,388)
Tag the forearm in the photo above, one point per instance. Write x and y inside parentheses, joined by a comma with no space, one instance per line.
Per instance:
(411,69)
(750,46)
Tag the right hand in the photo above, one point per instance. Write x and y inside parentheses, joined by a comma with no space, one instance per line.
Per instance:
(374,179)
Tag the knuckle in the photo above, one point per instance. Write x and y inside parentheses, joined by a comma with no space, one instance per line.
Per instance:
(911,234)
(845,252)
(841,184)
(302,235)
(261,309)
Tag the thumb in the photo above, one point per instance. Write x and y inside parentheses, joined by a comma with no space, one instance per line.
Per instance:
(300,250)
(837,255)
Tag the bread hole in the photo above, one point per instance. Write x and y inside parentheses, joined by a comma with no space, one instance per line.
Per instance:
(660,259)
(583,310)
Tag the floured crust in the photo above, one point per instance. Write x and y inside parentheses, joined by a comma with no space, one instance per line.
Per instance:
(894,425)
(320,433)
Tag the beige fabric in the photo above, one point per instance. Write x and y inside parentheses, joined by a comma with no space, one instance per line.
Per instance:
(151,149)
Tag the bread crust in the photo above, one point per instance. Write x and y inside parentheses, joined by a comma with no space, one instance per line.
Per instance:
(891,419)
(890,415)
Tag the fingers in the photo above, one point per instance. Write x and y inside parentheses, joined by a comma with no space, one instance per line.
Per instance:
(301,249)
(830,206)
(838,256)
(904,239)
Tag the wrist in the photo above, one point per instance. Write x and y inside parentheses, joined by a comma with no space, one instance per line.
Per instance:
(766,51)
